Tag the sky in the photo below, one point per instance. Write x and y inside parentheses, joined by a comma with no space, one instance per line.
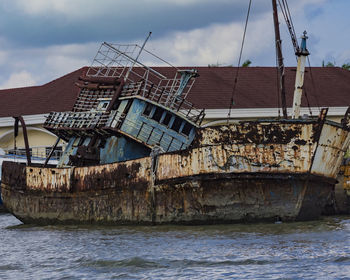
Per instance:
(41,40)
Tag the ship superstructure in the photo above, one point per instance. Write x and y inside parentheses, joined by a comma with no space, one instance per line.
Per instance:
(125,108)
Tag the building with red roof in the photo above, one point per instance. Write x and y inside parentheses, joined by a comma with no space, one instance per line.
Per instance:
(255,96)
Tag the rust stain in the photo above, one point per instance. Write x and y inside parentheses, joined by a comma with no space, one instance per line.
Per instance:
(14,175)
(243,147)
(49,179)
(131,174)
(219,176)
(249,132)
(346,185)
(333,143)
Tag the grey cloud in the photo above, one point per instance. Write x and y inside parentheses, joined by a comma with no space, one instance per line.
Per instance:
(40,43)
(118,22)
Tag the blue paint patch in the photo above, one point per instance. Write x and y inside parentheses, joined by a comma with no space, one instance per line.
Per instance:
(67,152)
(158,126)
(121,149)
(154,129)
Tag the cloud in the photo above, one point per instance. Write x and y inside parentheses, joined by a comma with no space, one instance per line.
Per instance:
(35,66)
(19,79)
(185,2)
(91,8)
(3,57)
(218,43)
(326,29)
(43,23)
(49,38)
(60,60)
(344,57)
(34,7)
(61,7)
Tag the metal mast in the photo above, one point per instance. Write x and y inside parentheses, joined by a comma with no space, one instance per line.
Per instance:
(141,49)
(299,79)
(282,90)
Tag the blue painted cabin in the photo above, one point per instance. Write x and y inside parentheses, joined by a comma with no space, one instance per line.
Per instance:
(123,112)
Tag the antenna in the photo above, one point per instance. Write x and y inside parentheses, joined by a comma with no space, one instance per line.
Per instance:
(137,57)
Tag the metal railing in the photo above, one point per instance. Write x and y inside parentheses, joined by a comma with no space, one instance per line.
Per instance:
(39,153)
(79,120)
(124,61)
(162,96)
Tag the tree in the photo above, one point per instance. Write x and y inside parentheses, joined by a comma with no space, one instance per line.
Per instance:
(346,66)
(246,63)
(328,64)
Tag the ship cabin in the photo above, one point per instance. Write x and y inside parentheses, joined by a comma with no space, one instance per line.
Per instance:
(152,124)
(126,115)
(125,109)
(130,131)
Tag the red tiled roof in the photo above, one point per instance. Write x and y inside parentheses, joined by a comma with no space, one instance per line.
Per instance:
(57,95)
(256,88)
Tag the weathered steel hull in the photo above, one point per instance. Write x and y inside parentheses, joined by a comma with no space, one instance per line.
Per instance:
(211,198)
(246,172)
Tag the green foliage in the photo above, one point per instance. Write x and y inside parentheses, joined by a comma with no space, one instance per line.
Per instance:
(329,64)
(346,66)
(246,63)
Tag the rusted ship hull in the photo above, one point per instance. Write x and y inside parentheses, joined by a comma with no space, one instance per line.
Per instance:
(206,199)
(244,172)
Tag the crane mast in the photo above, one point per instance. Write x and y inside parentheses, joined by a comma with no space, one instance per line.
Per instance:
(282,90)
(300,51)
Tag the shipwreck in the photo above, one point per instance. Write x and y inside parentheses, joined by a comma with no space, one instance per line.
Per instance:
(137,154)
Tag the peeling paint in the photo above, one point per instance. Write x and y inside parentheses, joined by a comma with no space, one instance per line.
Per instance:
(230,176)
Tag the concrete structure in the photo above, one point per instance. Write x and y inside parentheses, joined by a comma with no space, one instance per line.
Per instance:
(34,103)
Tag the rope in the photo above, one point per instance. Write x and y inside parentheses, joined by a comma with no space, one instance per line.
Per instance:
(288,19)
(308,103)
(277,88)
(239,61)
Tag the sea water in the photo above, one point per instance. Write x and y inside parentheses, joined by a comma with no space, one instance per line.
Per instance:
(304,250)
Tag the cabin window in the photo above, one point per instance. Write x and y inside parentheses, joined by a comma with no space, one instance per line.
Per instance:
(176,124)
(186,129)
(158,114)
(166,119)
(147,110)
